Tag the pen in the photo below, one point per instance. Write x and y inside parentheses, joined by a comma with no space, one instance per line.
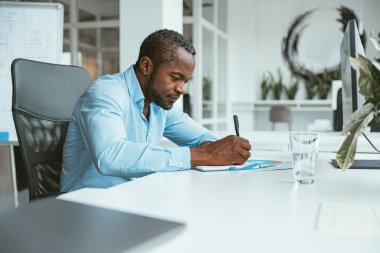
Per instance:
(236,123)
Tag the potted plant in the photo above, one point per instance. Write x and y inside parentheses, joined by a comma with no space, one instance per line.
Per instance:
(369,85)
(276,86)
(324,84)
(311,85)
(265,87)
(291,91)
(206,88)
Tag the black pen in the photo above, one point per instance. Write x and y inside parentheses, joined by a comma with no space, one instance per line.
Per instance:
(236,123)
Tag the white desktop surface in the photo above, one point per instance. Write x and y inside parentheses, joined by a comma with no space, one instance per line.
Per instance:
(246,211)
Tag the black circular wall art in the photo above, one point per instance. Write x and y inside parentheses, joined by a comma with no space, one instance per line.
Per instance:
(290,44)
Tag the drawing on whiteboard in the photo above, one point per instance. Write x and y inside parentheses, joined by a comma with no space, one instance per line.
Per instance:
(36,39)
(27,30)
(12,17)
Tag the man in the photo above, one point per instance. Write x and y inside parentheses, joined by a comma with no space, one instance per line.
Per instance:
(118,123)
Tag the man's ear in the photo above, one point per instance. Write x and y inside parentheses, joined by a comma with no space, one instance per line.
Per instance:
(146,65)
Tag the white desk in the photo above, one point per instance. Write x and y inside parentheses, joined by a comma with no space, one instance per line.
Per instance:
(245,211)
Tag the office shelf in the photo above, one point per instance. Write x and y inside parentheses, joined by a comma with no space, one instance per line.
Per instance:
(294,105)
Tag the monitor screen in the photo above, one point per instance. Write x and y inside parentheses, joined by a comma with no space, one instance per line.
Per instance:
(350,46)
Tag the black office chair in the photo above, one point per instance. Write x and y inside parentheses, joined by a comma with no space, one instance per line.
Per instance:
(44,96)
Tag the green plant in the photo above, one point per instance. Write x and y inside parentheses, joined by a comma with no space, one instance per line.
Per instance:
(206,88)
(376,43)
(277,86)
(324,84)
(265,87)
(291,91)
(311,85)
(369,85)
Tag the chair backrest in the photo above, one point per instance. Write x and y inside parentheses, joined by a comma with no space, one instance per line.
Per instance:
(44,96)
(280,113)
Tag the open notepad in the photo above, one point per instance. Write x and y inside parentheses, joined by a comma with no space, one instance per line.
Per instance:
(257,165)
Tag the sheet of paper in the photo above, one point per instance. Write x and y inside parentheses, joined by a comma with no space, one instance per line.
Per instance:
(251,164)
(349,218)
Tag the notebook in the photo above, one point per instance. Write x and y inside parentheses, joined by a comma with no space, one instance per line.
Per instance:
(53,225)
(256,165)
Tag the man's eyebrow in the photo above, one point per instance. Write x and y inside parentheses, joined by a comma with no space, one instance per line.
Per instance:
(178,74)
(181,75)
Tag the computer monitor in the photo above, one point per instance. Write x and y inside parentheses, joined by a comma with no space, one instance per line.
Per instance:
(351,98)
(351,46)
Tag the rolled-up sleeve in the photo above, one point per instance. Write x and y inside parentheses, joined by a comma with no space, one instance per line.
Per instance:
(184,131)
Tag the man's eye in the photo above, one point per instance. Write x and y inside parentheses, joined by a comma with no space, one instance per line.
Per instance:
(174,78)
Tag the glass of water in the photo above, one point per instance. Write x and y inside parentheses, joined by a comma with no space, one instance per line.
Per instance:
(304,148)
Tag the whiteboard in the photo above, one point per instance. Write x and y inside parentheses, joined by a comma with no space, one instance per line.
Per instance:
(27,30)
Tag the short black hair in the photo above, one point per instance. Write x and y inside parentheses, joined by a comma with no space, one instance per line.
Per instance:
(162,45)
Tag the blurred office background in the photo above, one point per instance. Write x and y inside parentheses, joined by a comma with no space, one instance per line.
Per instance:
(239,44)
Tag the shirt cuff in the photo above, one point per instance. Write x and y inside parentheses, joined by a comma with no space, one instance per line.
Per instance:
(180,158)
(207,137)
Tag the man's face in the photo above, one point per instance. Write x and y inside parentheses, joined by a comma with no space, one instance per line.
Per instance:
(167,82)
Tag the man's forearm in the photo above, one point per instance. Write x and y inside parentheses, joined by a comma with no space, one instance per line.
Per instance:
(200,155)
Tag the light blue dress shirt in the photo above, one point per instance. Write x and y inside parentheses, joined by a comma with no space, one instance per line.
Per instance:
(109,140)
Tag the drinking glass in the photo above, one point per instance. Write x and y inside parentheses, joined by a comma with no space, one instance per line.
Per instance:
(304,148)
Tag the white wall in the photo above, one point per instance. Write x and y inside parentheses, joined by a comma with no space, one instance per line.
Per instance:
(256,30)
(140,18)
(371,18)
(241,55)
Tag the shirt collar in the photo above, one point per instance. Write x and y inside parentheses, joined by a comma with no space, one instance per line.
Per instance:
(133,85)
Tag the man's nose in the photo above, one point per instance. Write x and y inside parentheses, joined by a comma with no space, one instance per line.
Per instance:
(180,88)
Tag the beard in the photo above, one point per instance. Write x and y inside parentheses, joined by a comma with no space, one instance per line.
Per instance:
(153,95)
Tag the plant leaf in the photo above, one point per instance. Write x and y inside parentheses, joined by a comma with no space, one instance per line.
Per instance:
(353,128)
(369,80)
(375,42)
(355,63)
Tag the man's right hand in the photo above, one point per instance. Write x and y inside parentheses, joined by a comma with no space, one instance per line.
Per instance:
(227,151)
